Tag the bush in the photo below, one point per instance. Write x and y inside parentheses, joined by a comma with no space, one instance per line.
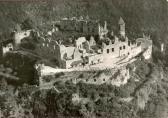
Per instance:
(81,75)
(57,75)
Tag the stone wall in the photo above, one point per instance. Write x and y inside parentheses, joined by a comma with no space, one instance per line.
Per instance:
(148,53)
(79,42)
(85,27)
(66,55)
(7,48)
(121,78)
(119,48)
(50,49)
(116,77)
(146,47)
(94,59)
(135,51)
(18,36)
(47,47)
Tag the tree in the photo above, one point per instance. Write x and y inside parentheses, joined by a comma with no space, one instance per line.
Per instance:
(27,24)
(27,44)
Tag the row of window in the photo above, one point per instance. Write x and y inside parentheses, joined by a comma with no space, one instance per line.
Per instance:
(122,47)
(108,50)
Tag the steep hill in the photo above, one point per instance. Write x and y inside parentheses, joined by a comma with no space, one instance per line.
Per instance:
(140,15)
(147,85)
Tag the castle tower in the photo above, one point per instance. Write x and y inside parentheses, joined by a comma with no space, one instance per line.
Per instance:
(99,29)
(105,25)
(121,24)
(162,47)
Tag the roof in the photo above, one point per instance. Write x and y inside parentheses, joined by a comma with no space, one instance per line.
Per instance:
(121,21)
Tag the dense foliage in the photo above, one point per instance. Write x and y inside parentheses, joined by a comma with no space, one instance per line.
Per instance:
(148,97)
(140,15)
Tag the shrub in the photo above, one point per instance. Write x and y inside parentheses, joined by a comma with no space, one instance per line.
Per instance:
(57,75)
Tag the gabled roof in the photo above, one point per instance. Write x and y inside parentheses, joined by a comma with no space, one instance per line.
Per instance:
(121,21)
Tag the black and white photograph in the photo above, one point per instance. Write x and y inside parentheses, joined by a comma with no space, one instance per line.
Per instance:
(83,58)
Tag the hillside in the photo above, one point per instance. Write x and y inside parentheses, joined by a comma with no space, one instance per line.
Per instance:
(140,15)
(144,96)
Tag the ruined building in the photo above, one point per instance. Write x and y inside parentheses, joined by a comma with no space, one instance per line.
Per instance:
(78,25)
(87,52)
(82,51)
